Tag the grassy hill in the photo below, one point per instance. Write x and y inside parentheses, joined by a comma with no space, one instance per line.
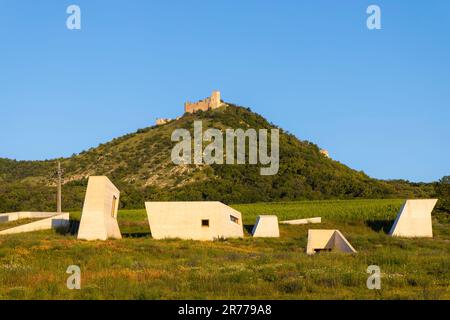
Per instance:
(140,165)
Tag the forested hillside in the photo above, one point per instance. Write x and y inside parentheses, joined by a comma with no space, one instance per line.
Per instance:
(140,165)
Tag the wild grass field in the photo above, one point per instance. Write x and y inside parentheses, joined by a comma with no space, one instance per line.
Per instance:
(33,266)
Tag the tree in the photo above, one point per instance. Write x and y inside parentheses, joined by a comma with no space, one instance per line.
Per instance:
(443,193)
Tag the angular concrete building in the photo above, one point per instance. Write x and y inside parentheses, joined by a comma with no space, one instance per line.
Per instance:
(266,227)
(99,216)
(414,219)
(49,220)
(193,220)
(327,240)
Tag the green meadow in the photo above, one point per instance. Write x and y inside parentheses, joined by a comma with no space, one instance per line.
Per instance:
(33,265)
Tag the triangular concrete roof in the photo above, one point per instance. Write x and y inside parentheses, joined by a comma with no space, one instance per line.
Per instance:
(319,240)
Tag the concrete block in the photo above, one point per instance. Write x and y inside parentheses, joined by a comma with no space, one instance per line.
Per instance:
(266,227)
(302,221)
(193,220)
(414,219)
(327,240)
(99,216)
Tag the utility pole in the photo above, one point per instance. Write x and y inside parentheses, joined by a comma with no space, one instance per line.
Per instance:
(58,200)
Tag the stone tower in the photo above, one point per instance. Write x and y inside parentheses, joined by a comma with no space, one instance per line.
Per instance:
(215,100)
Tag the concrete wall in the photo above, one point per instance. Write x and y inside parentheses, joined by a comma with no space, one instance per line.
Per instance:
(54,222)
(327,240)
(266,227)
(184,220)
(325,153)
(99,216)
(414,219)
(203,105)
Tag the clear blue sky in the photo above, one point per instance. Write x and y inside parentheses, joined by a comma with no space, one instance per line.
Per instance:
(379,101)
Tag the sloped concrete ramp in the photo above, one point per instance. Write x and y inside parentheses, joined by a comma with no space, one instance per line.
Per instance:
(55,221)
(14,216)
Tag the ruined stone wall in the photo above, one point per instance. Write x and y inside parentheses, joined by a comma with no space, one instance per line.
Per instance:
(203,105)
(212,102)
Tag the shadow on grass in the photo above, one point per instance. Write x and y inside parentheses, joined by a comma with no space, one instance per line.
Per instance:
(380,225)
(71,229)
(74,225)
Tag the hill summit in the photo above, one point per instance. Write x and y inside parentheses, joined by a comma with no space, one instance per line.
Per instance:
(140,165)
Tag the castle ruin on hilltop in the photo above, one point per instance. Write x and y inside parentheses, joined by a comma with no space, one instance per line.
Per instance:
(212,102)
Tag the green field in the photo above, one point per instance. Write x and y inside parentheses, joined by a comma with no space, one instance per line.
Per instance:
(33,266)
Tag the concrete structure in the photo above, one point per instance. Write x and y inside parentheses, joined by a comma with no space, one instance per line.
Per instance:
(193,220)
(303,221)
(327,240)
(99,216)
(414,219)
(14,216)
(212,102)
(54,221)
(266,227)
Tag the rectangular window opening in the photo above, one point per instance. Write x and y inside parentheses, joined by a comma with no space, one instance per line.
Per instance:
(113,209)
(205,223)
(234,219)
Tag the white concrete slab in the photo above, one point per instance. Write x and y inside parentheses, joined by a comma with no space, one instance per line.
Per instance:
(54,222)
(414,219)
(266,227)
(303,221)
